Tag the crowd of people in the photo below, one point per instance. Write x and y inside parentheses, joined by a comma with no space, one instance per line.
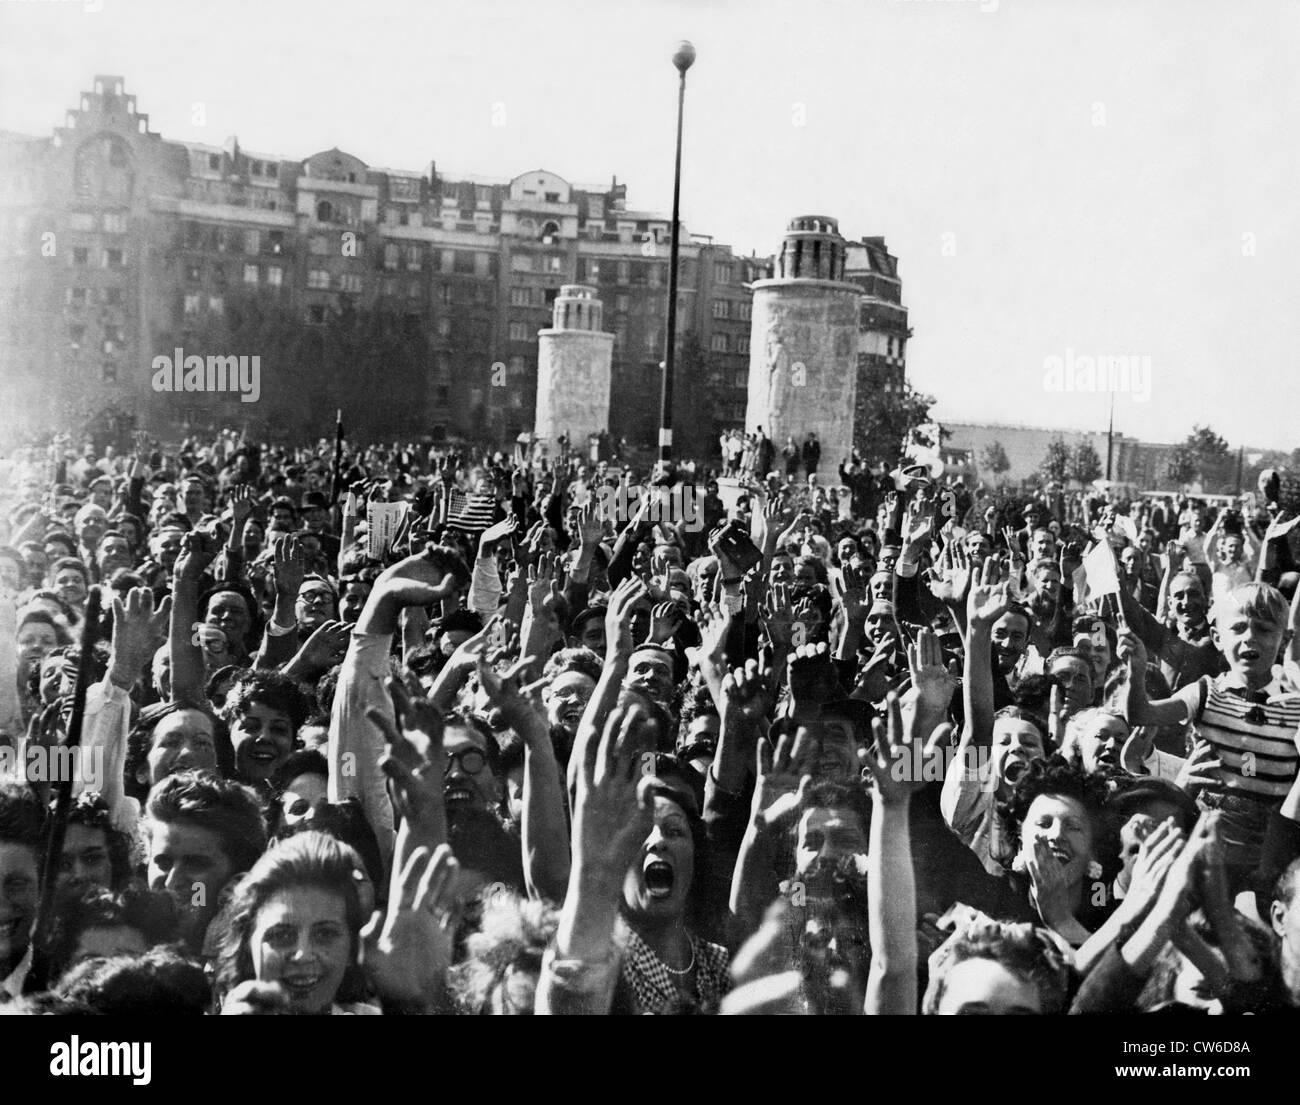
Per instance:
(404,728)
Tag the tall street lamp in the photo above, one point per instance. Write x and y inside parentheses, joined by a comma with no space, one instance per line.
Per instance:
(683,59)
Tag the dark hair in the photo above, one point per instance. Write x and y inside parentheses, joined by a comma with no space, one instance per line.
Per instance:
(309,859)
(139,742)
(161,982)
(1025,950)
(153,915)
(64,539)
(307,761)
(225,808)
(254,634)
(461,621)
(42,617)
(1056,776)
(75,563)
(346,822)
(22,817)
(90,810)
(271,688)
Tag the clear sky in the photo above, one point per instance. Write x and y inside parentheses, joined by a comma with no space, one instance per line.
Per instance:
(1111,178)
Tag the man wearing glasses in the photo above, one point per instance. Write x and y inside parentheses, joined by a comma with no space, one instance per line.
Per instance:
(316,603)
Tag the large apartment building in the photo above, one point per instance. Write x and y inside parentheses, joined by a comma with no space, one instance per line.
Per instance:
(410,298)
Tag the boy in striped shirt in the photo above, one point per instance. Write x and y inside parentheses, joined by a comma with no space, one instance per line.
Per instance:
(1248,756)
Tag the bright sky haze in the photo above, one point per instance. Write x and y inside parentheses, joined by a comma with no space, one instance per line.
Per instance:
(1058,180)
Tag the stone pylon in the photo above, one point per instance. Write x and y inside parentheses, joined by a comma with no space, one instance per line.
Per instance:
(804,343)
(573,371)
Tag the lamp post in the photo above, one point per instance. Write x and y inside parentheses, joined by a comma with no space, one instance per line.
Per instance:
(683,59)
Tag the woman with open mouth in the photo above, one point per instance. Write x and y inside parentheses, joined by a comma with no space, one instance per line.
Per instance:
(666,967)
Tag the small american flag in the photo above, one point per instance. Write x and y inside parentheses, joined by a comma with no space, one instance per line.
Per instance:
(470,512)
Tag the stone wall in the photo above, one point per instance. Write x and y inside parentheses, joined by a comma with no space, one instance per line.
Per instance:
(803,363)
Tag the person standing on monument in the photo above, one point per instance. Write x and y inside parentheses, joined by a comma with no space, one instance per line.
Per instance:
(812,453)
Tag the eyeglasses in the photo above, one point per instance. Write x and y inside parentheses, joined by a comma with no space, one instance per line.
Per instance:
(471,761)
(316,598)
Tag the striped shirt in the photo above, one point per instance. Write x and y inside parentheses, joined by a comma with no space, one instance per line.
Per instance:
(1254,739)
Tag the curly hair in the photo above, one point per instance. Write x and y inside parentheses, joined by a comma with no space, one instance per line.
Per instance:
(513,936)
(152,914)
(1056,776)
(271,688)
(311,860)
(161,982)
(1026,951)
(579,659)
(22,817)
(89,809)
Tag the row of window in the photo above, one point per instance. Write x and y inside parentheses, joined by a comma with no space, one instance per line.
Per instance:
(105,258)
(733,308)
(722,343)
(111,222)
(113,340)
(81,297)
(222,239)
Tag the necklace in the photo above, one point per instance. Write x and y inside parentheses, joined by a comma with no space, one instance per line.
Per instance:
(685,970)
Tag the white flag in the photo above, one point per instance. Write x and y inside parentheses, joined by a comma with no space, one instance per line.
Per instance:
(1096,576)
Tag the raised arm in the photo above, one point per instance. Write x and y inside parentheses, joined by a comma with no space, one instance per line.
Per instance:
(198,550)
(612,815)
(545,825)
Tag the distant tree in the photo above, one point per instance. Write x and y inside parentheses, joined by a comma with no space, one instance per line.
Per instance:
(1085,464)
(994,458)
(1182,468)
(1205,457)
(885,419)
(1056,462)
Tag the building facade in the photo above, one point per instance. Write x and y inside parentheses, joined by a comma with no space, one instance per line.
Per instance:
(410,298)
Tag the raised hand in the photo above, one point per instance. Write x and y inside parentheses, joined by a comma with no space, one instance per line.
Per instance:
(778,616)
(748,690)
(989,595)
(199,549)
(405,952)
(890,760)
(326,646)
(784,774)
(241,505)
(919,522)
(1131,650)
(934,682)
(952,582)
(290,565)
(138,630)
(812,677)
(543,586)
(618,618)
(613,811)
(665,619)
(505,692)
(851,593)
(589,524)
